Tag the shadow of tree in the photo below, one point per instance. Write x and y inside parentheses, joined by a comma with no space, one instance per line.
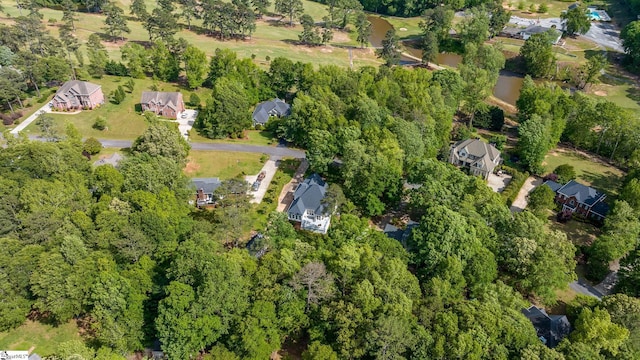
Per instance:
(608,182)
(633,93)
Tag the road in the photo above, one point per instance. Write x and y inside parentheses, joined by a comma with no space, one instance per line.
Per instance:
(45,108)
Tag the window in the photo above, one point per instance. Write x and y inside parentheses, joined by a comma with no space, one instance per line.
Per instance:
(571,202)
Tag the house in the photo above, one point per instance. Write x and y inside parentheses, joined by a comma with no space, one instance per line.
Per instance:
(511,32)
(205,188)
(402,235)
(551,329)
(267,109)
(167,104)
(481,158)
(75,94)
(581,199)
(308,208)
(556,34)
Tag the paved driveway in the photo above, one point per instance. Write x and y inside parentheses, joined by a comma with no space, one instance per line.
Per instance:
(186,119)
(269,169)
(46,108)
(520,203)
(498,182)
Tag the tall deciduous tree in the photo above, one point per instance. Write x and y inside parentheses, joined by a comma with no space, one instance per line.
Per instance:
(98,56)
(291,8)
(533,143)
(195,66)
(227,114)
(538,55)
(576,20)
(162,140)
(630,36)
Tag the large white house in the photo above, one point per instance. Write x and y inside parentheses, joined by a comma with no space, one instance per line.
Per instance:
(476,155)
(308,208)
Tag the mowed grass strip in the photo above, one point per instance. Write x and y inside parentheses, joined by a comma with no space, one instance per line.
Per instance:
(251,137)
(590,172)
(43,338)
(222,164)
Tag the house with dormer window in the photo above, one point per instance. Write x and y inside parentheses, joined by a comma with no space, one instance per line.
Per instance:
(167,104)
(580,199)
(308,209)
(476,155)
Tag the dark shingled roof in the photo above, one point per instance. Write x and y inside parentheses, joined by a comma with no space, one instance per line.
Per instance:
(601,208)
(573,6)
(208,185)
(551,329)
(309,196)
(584,194)
(170,99)
(275,107)
(553,185)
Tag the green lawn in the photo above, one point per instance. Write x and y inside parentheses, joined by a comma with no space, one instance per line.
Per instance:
(618,89)
(411,25)
(123,122)
(601,176)
(43,338)
(555,8)
(252,137)
(286,170)
(222,164)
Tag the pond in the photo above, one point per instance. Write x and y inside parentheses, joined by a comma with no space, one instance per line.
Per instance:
(507,87)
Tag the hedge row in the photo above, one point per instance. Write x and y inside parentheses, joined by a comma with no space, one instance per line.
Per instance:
(513,188)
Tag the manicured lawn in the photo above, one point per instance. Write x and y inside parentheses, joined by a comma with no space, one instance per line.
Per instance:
(579,233)
(411,26)
(601,176)
(252,137)
(222,164)
(619,90)
(555,8)
(43,338)
(123,122)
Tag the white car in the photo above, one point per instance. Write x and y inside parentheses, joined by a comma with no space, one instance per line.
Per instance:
(184,115)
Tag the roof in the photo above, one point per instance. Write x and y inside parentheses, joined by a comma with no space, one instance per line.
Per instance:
(266,109)
(553,185)
(550,328)
(110,160)
(601,208)
(400,234)
(170,99)
(584,194)
(308,196)
(511,30)
(573,6)
(34,356)
(484,154)
(207,185)
(78,87)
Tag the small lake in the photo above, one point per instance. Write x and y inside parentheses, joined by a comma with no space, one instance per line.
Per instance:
(507,87)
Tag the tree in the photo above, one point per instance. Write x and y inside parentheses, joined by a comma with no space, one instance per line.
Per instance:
(543,8)
(261,6)
(595,329)
(47,127)
(194,100)
(69,16)
(533,143)
(100,123)
(138,8)
(577,20)
(499,18)
(538,56)
(116,24)
(430,47)
(195,66)
(541,199)
(390,51)
(309,35)
(590,72)
(316,282)
(98,56)
(162,24)
(475,28)
(629,274)
(233,209)
(162,140)
(92,146)
(227,113)
(565,173)
(630,36)
(363,29)
(437,22)
(319,351)
(118,95)
(290,8)
(137,59)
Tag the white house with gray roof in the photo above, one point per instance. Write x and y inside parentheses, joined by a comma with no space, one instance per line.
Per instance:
(265,110)
(308,208)
(476,155)
(205,189)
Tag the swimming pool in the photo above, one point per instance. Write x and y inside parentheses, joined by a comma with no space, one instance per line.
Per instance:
(595,15)
(598,15)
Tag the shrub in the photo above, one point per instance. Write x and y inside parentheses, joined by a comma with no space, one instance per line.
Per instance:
(532,8)
(115,68)
(130,84)
(194,100)
(118,95)
(565,173)
(512,189)
(543,8)
(520,5)
(498,141)
(100,123)
(493,119)
(92,146)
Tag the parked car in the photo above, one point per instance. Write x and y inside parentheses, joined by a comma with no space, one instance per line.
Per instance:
(255,186)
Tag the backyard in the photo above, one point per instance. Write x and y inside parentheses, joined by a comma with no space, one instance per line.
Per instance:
(41,338)
(223,164)
(589,171)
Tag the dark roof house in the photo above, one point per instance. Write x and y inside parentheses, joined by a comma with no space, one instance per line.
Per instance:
(581,199)
(399,234)
(308,207)
(205,188)
(537,29)
(267,109)
(551,329)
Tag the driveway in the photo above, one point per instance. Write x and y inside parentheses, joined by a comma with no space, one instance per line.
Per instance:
(46,108)
(186,119)
(498,182)
(581,286)
(269,169)
(520,203)
(286,195)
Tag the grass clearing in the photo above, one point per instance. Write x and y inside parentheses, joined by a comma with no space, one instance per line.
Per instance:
(252,137)
(43,338)
(222,164)
(578,232)
(591,172)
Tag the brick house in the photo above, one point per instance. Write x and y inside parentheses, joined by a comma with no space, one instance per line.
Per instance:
(580,199)
(167,104)
(75,94)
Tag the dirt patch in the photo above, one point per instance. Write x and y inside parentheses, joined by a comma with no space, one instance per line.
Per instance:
(403,29)
(191,166)
(340,37)
(326,50)
(600,93)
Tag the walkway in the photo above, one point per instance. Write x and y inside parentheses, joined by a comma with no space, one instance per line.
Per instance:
(520,203)
(46,108)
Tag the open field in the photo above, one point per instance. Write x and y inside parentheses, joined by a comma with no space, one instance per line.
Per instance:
(222,164)
(594,173)
(271,38)
(43,338)
(252,137)
(555,8)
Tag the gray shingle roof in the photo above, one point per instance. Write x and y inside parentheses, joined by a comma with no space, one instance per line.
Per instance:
(309,196)
(552,328)
(34,356)
(208,185)
(170,99)
(584,194)
(553,185)
(275,107)
(483,154)
(69,91)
